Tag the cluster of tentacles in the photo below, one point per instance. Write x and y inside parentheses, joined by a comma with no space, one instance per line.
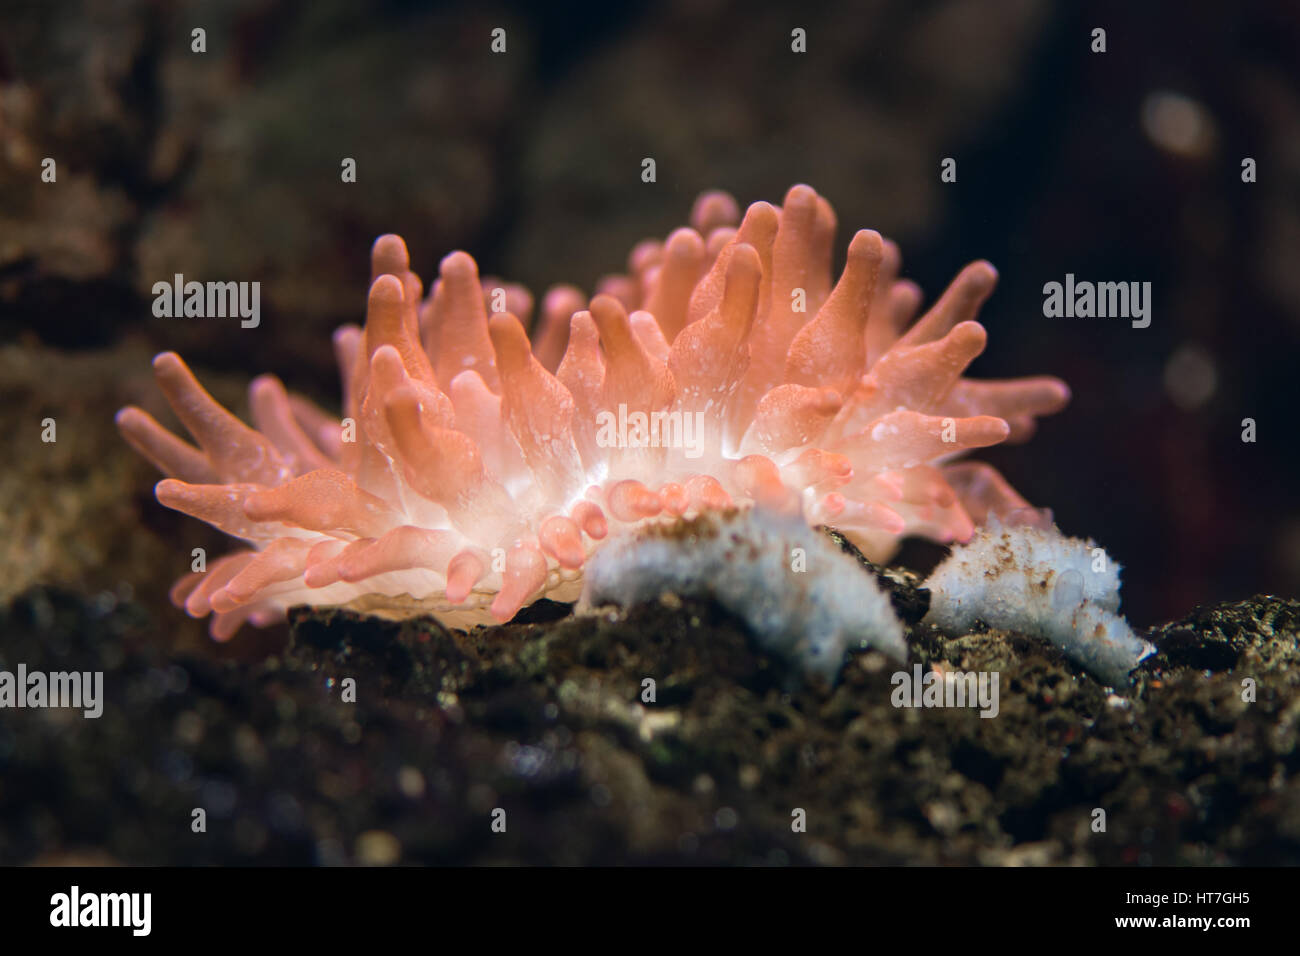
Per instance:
(474,469)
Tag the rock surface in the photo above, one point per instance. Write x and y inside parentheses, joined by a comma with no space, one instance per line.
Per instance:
(544,718)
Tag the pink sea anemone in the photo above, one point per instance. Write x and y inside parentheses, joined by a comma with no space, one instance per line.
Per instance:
(475,470)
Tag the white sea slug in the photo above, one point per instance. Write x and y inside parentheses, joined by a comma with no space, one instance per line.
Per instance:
(802,597)
(1032,579)
(474,470)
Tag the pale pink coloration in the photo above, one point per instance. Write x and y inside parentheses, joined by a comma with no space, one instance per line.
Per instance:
(475,470)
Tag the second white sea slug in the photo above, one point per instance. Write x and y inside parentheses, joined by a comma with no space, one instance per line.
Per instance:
(1032,579)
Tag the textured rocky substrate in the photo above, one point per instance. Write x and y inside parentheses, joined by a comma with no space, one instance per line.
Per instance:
(544,718)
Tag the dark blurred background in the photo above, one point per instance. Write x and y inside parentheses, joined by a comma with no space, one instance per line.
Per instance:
(1115,166)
